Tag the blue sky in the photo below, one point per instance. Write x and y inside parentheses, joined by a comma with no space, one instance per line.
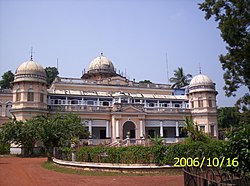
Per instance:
(134,35)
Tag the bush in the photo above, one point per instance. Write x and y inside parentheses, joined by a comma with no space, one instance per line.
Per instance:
(4,148)
(158,154)
(238,146)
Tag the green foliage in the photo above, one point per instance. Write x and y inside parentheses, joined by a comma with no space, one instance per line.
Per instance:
(124,155)
(180,79)
(238,146)
(243,103)
(51,73)
(21,133)
(145,81)
(7,78)
(55,131)
(158,154)
(193,132)
(233,19)
(228,117)
(232,117)
(4,148)
(212,148)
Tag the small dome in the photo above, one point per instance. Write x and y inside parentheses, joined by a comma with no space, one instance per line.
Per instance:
(201,82)
(30,71)
(101,63)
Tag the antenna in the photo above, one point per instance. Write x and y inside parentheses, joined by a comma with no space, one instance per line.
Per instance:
(57,64)
(31,54)
(200,68)
(125,73)
(167,67)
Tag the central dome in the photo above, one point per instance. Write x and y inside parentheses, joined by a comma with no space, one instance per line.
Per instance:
(30,71)
(101,63)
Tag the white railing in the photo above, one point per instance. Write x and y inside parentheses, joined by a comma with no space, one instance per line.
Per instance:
(95,141)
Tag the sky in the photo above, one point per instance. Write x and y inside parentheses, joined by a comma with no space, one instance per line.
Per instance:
(140,37)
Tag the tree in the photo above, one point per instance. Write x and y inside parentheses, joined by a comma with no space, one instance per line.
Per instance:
(7,78)
(145,81)
(238,147)
(21,133)
(51,73)
(193,132)
(180,79)
(233,19)
(54,131)
(228,117)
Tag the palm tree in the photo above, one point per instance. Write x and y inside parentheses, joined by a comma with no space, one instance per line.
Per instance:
(180,79)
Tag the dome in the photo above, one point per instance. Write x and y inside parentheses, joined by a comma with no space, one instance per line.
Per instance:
(101,63)
(201,82)
(30,71)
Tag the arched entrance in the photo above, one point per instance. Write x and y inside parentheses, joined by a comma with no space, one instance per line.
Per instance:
(128,128)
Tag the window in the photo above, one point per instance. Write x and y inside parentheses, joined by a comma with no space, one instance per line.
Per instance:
(202,128)
(41,97)
(192,104)
(8,107)
(30,95)
(210,103)
(18,95)
(212,130)
(200,102)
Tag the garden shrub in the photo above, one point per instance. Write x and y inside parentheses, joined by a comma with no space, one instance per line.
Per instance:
(4,148)
(158,154)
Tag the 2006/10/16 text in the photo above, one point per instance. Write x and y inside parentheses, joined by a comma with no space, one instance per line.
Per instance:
(209,162)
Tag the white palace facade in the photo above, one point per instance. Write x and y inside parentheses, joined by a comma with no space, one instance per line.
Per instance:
(112,107)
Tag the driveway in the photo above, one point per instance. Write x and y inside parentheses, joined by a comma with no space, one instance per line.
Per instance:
(28,172)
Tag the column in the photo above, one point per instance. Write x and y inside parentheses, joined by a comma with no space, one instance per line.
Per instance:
(107,129)
(98,102)
(141,129)
(161,129)
(117,128)
(215,130)
(177,129)
(90,128)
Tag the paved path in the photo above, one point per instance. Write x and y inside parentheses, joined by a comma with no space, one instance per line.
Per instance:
(28,172)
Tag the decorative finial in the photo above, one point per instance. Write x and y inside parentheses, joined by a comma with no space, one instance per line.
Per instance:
(200,68)
(31,54)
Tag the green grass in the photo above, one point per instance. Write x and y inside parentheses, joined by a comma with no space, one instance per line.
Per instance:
(67,170)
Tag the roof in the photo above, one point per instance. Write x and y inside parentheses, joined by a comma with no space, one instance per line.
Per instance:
(30,71)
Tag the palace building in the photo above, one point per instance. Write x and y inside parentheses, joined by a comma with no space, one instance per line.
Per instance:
(112,107)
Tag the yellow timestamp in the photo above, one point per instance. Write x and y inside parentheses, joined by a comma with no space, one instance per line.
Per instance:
(209,162)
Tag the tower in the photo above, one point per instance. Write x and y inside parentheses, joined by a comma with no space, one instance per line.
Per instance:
(29,91)
(202,103)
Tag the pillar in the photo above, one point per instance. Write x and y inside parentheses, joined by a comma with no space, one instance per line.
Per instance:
(141,129)
(107,129)
(117,128)
(177,129)
(161,129)
(90,128)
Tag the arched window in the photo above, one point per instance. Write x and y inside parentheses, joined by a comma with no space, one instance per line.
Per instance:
(192,103)
(18,95)
(210,103)
(8,107)
(200,102)
(30,95)
(42,96)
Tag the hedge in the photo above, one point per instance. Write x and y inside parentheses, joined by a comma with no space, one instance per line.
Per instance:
(158,154)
